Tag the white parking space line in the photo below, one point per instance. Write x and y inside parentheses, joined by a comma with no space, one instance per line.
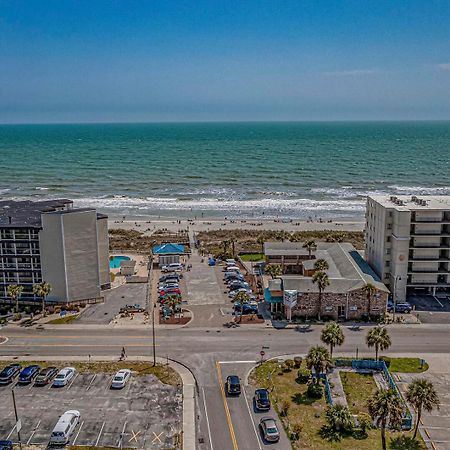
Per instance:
(207,419)
(11,432)
(122,435)
(73,380)
(238,362)
(34,431)
(438,302)
(92,380)
(99,434)
(108,385)
(258,437)
(76,437)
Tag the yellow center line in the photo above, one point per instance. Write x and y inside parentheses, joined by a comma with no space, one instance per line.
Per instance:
(225,405)
(77,345)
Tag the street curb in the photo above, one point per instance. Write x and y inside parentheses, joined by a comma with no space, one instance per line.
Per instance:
(188,379)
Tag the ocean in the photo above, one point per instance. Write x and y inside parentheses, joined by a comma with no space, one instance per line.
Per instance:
(259,170)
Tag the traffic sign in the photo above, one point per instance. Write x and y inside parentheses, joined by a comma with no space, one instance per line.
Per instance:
(262,353)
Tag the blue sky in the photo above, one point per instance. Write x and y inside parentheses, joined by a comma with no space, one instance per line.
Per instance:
(89,61)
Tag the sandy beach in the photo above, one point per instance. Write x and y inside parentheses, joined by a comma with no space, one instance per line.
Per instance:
(151,225)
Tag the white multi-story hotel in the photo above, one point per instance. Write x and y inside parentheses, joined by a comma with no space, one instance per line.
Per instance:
(54,242)
(408,243)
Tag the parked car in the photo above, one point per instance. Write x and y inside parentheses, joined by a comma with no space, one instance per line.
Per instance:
(231,269)
(233,294)
(64,428)
(172,267)
(247,308)
(131,309)
(28,374)
(10,372)
(269,429)
(120,379)
(237,278)
(170,276)
(168,291)
(64,376)
(230,262)
(45,376)
(238,285)
(233,385)
(400,308)
(6,445)
(262,400)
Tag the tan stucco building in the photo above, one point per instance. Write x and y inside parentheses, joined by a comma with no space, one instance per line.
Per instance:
(408,243)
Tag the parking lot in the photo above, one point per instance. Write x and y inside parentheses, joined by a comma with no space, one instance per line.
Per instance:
(146,413)
(431,309)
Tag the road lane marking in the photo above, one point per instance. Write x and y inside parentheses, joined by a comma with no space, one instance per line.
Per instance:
(5,340)
(34,431)
(76,437)
(238,362)
(207,419)
(121,436)
(99,434)
(11,432)
(225,405)
(80,345)
(251,418)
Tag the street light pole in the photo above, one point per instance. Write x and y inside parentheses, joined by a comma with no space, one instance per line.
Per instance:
(17,419)
(151,306)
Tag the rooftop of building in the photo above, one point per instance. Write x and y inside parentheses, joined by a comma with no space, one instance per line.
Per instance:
(348,271)
(168,249)
(27,213)
(285,248)
(413,202)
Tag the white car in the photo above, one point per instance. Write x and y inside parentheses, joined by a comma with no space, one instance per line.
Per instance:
(230,262)
(120,379)
(234,269)
(233,294)
(173,267)
(163,286)
(65,427)
(64,376)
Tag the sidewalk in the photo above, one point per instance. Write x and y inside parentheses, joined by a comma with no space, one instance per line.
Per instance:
(189,386)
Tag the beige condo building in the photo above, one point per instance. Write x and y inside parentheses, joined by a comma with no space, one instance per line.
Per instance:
(408,243)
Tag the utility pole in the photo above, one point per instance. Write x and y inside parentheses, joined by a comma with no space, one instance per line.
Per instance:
(395,296)
(151,306)
(18,424)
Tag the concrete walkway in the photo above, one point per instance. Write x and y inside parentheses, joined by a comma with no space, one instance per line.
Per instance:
(189,387)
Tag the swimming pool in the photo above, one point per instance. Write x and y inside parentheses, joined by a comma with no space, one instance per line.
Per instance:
(114,262)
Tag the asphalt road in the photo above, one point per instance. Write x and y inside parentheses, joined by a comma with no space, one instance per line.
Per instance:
(201,349)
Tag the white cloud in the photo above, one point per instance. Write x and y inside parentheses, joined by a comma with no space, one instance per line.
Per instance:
(444,66)
(352,73)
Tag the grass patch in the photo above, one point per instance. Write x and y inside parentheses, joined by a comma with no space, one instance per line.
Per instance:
(406,365)
(358,388)
(307,412)
(164,373)
(252,257)
(64,320)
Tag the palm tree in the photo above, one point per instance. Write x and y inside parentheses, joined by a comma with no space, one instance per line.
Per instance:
(422,395)
(261,239)
(225,245)
(172,301)
(369,289)
(318,359)
(332,335)
(339,418)
(15,292)
(233,243)
(42,290)
(322,281)
(321,265)
(378,337)
(241,297)
(310,246)
(274,270)
(386,408)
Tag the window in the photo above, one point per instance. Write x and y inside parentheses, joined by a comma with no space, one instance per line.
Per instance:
(388,239)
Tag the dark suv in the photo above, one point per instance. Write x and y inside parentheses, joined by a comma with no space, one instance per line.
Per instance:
(233,385)
(399,308)
(28,373)
(262,401)
(9,373)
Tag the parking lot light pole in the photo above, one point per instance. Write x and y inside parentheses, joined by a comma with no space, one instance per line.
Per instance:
(397,278)
(17,418)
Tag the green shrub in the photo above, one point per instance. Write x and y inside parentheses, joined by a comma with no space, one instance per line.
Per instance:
(315,390)
(17,316)
(298,362)
(303,375)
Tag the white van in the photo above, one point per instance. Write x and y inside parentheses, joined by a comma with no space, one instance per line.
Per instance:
(64,428)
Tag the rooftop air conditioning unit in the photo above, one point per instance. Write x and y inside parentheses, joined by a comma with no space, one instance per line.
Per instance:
(414,198)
